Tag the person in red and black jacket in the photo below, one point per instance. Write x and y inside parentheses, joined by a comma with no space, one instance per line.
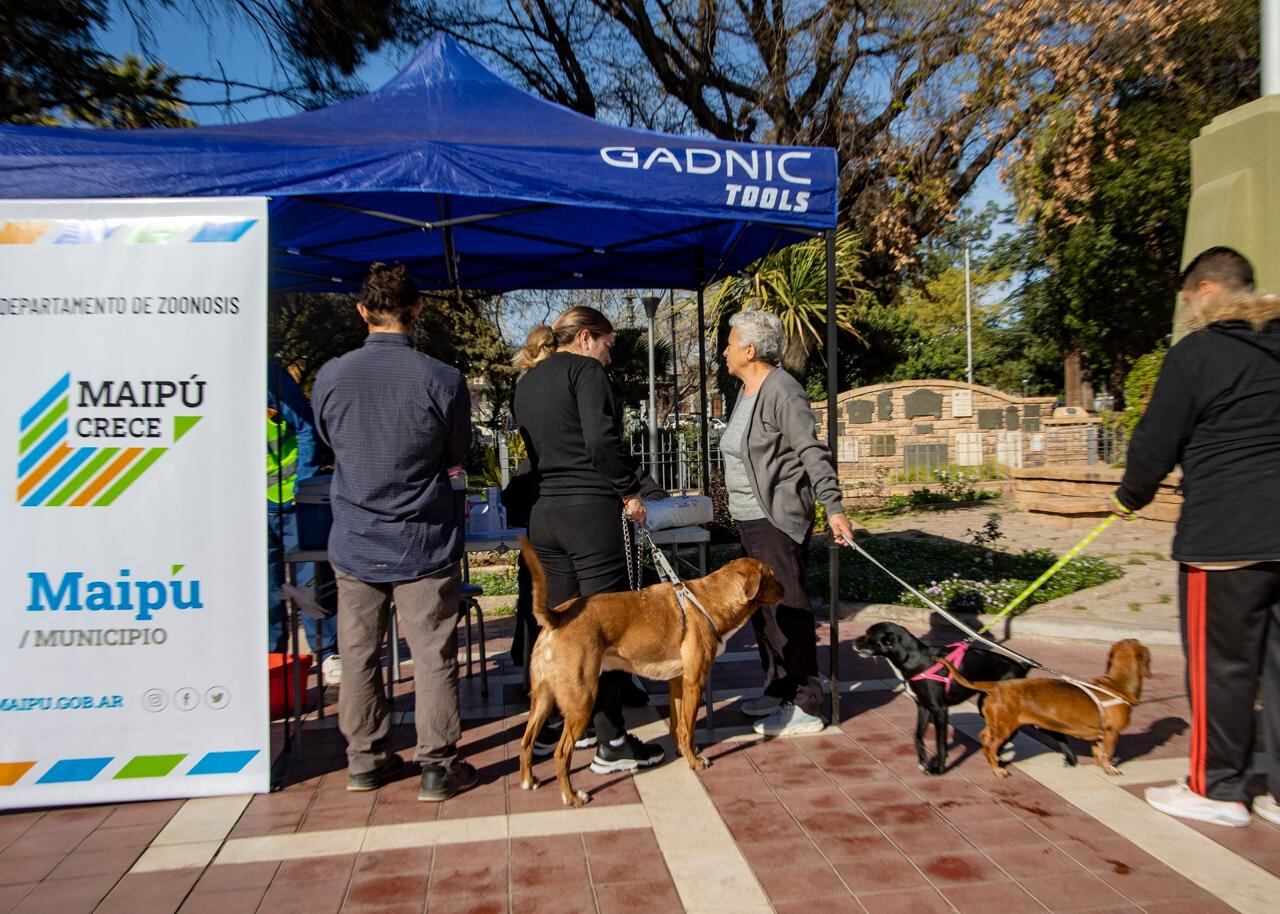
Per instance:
(1215,411)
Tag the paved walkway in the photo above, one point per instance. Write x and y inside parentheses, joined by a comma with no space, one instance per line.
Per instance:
(842,821)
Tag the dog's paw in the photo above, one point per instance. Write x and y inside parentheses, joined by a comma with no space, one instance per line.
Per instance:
(699,763)
(935,767)
(1001,772)
(529,784)
(1069,761)
(576,799)
(1111,770)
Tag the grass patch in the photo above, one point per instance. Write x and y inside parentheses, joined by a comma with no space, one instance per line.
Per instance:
(1165,598)
(941,569)
(497,583)
(1135,561)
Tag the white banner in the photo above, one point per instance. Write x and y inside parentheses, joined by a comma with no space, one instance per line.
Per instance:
(133,563)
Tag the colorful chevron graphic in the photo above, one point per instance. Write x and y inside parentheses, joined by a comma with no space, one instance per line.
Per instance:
(52,473)
(79,770)
(155,230)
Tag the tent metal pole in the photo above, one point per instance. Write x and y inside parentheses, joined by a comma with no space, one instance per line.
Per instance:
(422,223)
(705,454)
(833,557)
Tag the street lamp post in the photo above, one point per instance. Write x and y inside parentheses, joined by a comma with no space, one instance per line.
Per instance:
(650,303)
(968,317)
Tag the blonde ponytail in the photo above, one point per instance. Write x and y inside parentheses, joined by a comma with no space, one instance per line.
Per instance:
(540,343)
(544,340)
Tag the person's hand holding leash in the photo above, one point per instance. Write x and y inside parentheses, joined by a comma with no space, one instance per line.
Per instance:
(1117,507)
(634,510)
(841,528)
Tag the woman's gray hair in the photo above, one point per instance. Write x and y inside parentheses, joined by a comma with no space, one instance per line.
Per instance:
(763,330)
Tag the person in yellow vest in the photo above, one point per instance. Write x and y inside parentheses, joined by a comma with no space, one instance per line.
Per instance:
(291,456)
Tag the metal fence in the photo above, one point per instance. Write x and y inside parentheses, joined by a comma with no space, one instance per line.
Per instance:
(676,465)
(872,462)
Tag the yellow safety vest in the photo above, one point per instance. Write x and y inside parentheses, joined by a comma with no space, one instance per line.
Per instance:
(282,461)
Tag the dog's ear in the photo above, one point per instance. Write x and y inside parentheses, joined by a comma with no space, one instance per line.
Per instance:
(758,583)
(1111,654)
(1144,657)
(749,578)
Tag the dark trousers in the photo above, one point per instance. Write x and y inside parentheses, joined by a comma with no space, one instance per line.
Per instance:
(786,633)
(1231,638)
(582,550)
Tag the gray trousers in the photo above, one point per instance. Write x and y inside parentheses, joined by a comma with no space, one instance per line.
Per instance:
(427,613)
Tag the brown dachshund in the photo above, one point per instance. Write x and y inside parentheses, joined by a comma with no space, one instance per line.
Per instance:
(1054,704)
(641,631)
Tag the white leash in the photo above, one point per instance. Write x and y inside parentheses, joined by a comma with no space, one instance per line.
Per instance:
(1089,688)
(683,594)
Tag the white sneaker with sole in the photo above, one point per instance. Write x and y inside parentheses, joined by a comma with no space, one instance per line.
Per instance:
(789,720)
(1267,808)
(1179,800)
(332,669)
(762,706)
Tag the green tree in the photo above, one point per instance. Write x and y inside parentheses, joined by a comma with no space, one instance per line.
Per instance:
(52,71)
(1101,259)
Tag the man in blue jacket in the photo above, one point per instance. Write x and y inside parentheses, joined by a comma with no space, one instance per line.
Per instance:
(1215,411)
(291,457)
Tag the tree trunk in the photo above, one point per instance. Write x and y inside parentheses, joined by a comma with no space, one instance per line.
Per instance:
(1073,378)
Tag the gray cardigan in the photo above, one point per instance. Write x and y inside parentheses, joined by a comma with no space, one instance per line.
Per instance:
(788,467)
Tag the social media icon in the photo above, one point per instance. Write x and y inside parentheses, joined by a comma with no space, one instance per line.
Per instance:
(155,700)
(217,698)
(186,698)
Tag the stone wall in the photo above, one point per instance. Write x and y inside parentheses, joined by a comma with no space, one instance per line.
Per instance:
(1084,493)
(903,428)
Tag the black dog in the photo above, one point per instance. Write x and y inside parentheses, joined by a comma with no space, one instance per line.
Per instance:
(912,656)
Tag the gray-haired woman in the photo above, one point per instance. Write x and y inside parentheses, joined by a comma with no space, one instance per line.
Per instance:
(776,469)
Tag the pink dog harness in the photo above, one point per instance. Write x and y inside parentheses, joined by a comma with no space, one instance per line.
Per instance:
(958,650)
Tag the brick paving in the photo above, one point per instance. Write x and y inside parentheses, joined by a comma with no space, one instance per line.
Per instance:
(840,821)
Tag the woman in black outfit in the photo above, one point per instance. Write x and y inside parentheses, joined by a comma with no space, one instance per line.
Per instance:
(586,481)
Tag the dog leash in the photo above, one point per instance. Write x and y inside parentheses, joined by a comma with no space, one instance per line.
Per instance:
(1089,688)
(1051,571)
(684,595)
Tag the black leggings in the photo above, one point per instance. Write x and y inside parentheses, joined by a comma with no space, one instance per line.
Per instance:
(582,549)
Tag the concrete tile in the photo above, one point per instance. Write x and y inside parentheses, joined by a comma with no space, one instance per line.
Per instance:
(1005,897)
(149,893)
(162,857)
(203,819)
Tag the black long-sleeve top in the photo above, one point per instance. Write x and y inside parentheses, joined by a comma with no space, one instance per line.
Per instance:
(1216,411)
(566,412)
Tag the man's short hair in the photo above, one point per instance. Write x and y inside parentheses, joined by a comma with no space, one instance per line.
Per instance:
(1225,266)
(389,294)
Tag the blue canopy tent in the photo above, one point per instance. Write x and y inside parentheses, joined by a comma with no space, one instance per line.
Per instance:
(473,184)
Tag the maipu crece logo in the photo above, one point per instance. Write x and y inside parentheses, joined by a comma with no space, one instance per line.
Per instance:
(54,473)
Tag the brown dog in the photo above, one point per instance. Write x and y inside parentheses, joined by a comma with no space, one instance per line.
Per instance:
(1054,704)
(643,632)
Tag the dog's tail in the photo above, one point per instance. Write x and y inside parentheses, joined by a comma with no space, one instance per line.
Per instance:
(960,680)
(547,618)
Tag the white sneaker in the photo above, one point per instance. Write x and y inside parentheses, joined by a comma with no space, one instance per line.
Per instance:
(332,669)
(1179,800)
(1267,808)
(788,720)
(762,706)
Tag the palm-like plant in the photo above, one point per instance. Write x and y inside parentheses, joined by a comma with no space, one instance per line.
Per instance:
(792,284)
